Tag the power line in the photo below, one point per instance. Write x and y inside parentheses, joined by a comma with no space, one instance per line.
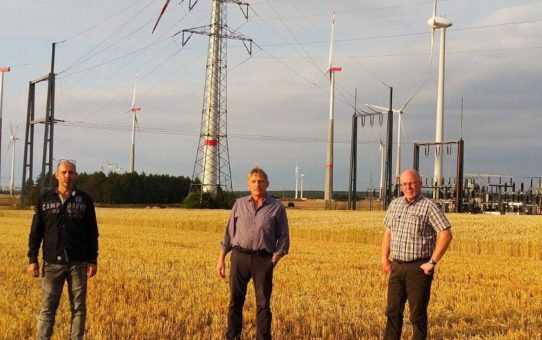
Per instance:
(178,132)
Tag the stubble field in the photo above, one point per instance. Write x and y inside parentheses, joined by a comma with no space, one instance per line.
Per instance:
(156,278)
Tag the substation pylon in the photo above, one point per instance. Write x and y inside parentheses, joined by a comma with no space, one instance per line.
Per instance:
(212,171)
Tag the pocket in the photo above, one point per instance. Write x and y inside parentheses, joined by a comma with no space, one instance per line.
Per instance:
(51,267)
(406,223)
(414,223)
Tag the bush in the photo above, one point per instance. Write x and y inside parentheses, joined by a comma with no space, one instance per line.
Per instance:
(207,200)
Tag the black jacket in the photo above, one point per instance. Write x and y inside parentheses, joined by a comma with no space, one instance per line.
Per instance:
(69,231)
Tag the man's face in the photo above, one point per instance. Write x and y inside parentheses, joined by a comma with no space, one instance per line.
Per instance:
(66,176)
(257,185)
(410,185)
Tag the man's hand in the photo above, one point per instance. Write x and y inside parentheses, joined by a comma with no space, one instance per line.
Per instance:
(427,268)
(221,268)
(276,259)
(33,270)
(221,265)
(92,269)
(386,265)
(385,258)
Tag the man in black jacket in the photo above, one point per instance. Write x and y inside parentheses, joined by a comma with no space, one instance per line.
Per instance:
(65,222)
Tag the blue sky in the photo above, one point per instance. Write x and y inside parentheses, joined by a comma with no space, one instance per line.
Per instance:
(278,98)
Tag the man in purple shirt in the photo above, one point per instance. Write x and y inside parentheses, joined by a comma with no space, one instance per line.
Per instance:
(257,234)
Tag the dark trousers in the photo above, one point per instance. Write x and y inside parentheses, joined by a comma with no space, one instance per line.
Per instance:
(243,268)
(407,282)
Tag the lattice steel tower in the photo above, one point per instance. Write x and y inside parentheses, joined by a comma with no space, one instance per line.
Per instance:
(212,166)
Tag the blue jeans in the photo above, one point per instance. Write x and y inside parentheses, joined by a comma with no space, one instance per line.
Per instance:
(52,282)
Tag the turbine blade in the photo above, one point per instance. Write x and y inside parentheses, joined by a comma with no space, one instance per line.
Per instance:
(137,124)
(433,30)
(408,101)
(377,108)
(330,63)
(432,41)
(160,16)
(402,124)
(11,129)
(134,96)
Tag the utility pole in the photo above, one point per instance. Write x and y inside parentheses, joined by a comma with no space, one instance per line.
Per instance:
(48,135)
(389,141)
(2,71)
(353,148)
(47,163)
(302,177)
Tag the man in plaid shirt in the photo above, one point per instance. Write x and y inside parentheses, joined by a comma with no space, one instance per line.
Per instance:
(410,252)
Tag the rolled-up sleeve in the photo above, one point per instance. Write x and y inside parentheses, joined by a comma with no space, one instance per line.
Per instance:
(230,230)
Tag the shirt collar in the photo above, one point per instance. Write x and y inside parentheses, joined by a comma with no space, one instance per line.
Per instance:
(265,200)
(73,193)
(419,197)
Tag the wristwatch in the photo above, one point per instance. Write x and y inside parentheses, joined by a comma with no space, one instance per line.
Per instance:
(433,262)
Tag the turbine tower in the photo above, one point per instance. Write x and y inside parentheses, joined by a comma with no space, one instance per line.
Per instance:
(135,125)
(382,150)
(437,22)
(328,186)
(296,179)
(12,139)
(2,71)
(212,165)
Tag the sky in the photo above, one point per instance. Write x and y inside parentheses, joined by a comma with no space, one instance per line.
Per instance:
(278,97)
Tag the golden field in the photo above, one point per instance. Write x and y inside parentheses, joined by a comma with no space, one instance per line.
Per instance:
(156,278)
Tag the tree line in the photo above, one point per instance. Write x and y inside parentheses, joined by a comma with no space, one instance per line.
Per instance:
(126,188)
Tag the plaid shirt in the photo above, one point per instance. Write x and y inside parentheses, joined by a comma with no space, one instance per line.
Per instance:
(414,227)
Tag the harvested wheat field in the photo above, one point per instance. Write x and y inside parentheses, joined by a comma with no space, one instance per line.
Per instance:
(156,278)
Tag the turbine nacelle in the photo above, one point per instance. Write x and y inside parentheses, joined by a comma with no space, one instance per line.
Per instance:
(439,22)
(436,22)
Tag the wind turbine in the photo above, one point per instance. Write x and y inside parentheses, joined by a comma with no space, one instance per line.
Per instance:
(12,140)
(400,111)
(135,125)
(109,166)
(118,169)
(328,185)
(437,22)
(296,179)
